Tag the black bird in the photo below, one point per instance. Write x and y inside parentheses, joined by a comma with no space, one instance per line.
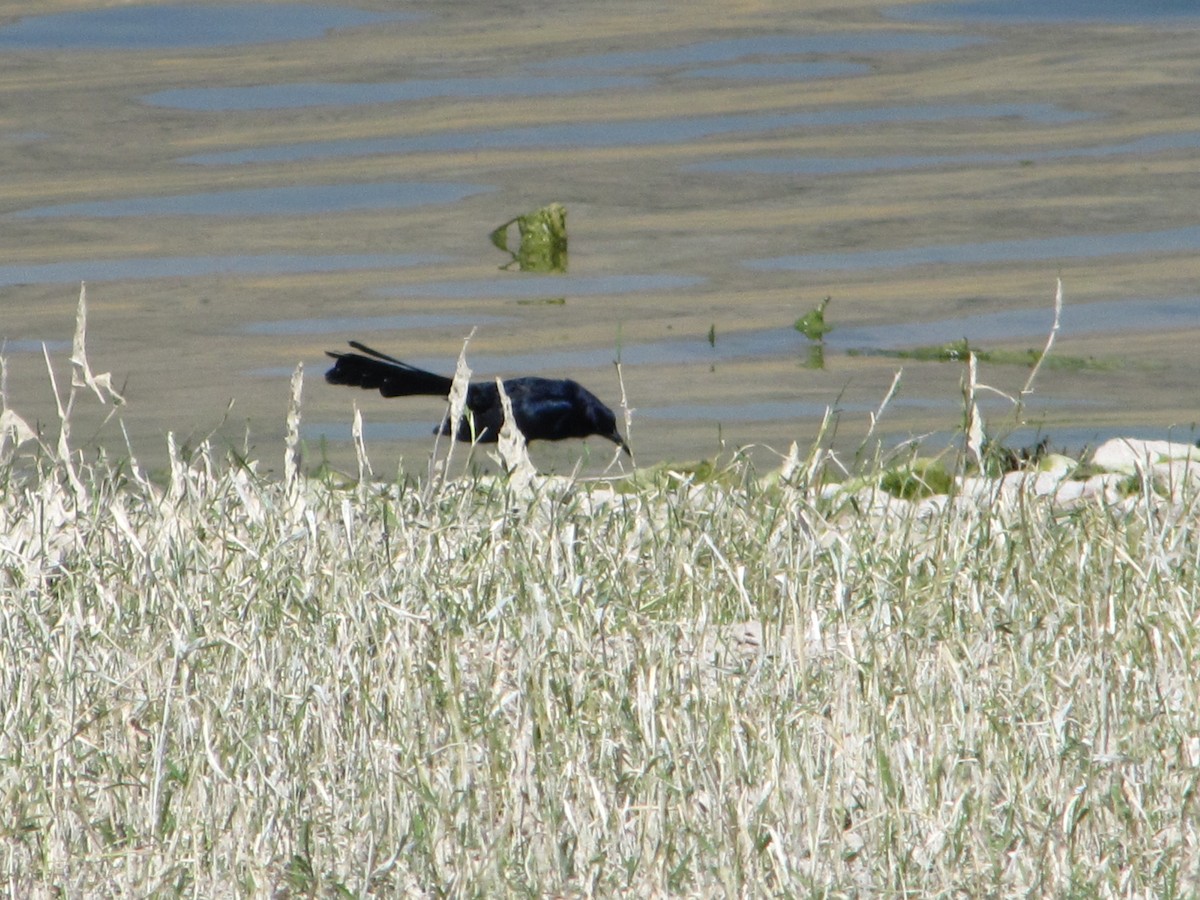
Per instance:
(546,409)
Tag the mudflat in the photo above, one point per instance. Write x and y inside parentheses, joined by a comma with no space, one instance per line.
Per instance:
(1031,134)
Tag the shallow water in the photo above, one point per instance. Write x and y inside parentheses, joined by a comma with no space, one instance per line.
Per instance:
(7,347)
(1024,11)
(344,325)
(983,331)
(1075,246)
(733,58)
(280,201)
(846,165)
(236,211)
(1117,317)
(296,96)
(100,270)
(532,286)
(187,25)
(632,132)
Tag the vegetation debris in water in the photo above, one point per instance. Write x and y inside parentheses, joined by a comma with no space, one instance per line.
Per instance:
(543,240)
(812,323)
(957,351)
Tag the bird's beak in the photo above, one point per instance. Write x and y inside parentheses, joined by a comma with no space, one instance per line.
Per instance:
(616,438)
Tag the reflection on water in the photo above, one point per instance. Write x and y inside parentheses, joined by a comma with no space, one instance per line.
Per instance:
(197,266)
(846,165)
(282,201)
(541,240)
(1078,246)
(184,26)
(636,132)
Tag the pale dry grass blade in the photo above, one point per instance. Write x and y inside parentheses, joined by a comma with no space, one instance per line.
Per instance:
(63,454)
(1058,307)
(974,429)
(14,430)
(81,372)
(456,405)
(360,448)
(883,404)
(627,415)
(292,453)
(512,448)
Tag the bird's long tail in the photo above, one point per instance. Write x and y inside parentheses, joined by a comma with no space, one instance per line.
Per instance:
(372,370)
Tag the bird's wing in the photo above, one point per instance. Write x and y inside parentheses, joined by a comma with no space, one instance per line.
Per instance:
(543,416)
(388,375)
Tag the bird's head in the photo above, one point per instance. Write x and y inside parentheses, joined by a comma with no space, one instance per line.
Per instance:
(604,423)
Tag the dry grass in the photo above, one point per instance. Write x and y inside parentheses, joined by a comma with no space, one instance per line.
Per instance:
(216,683)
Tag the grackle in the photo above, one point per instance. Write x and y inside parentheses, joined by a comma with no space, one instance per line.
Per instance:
(546,409)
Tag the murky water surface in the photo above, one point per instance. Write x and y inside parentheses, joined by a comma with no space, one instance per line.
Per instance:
(849,165)
(631,132)
(1025,11)
(299,200)
(151,267)
(187,25)
(529,286)
(296,96)
(986,330)
(1073,246)
(247,185)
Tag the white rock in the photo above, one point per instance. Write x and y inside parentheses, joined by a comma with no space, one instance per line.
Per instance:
(1130,455)
(1057,464)
(976,488)
(1070,493)
(1107,486)
(1177,478)
(831,491)
(1040,483)
(878,502)
(932,506)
